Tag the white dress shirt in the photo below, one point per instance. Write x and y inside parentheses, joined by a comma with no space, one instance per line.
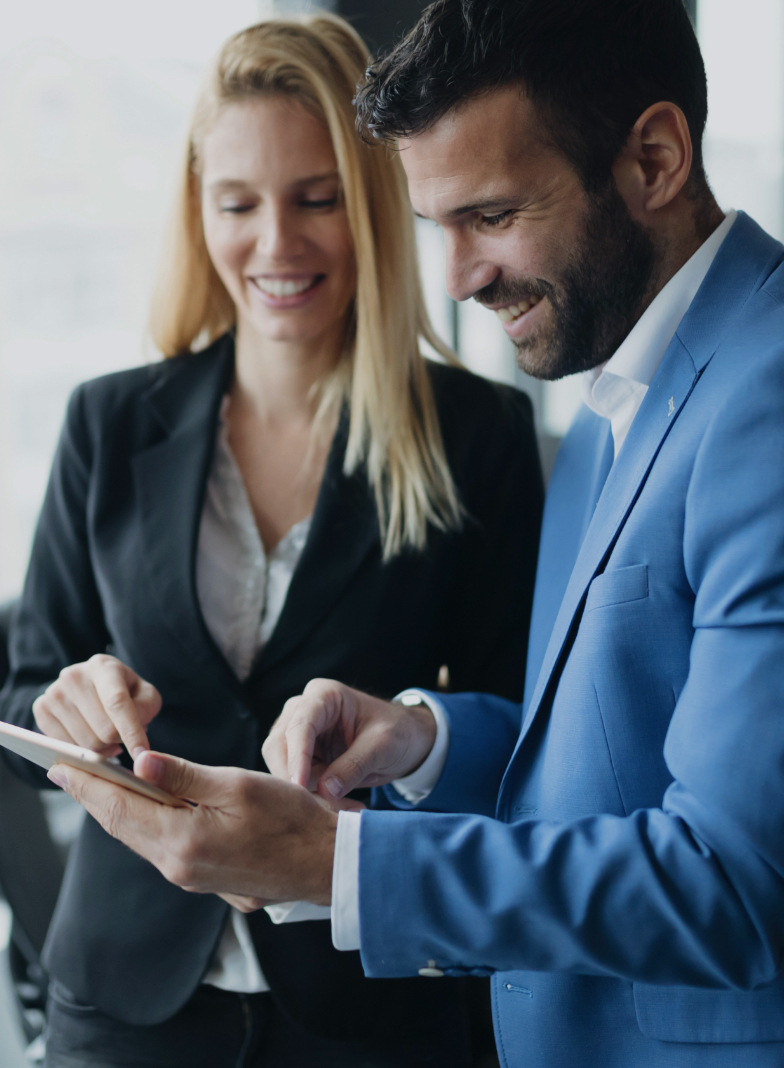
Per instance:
(241,591)
(615,391)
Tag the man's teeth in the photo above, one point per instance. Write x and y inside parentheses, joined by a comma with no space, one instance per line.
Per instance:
(514,311)
(277,287)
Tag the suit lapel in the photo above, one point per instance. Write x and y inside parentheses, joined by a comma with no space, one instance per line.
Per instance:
(170,480)
(743,263)
(673,382)
(344,530)
(581,468)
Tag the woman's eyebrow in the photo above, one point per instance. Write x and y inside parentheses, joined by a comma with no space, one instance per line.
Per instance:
(221,184)
(228,184)
(315,178)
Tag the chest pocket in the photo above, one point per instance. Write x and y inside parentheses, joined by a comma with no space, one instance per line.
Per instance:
(618,586)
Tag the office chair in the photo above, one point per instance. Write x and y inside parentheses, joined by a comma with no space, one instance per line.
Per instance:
(31,870)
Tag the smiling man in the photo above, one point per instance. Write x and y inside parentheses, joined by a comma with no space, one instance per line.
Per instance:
(613,852)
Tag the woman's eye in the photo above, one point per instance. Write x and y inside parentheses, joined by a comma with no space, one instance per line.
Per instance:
(329,202)
(496,220)
(236,209)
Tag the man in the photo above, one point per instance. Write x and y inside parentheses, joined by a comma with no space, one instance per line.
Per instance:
(622,874)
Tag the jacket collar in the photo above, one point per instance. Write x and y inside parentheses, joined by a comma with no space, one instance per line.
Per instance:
(343,532)
(743,264)
(170,480)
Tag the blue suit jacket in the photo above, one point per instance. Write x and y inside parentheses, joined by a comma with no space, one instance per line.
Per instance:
(622,878)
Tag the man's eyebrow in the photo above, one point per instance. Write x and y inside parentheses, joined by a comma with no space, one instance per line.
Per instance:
(239,183)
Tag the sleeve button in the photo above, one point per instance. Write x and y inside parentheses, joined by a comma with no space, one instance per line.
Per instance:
(431,972)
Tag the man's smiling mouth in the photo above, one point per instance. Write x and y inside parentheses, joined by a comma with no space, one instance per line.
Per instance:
(514,311)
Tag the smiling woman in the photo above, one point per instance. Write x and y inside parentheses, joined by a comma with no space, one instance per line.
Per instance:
(317,213)
(294,493)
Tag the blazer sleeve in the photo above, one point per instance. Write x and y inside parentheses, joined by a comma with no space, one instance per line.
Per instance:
(483,730)
(691,893)
(59,619)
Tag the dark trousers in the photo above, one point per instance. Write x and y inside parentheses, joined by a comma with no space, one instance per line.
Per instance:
(217,1029)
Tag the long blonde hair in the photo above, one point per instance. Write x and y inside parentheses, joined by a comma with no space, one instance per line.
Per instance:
(393,429)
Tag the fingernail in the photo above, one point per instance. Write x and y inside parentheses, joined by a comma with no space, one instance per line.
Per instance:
(58,776)
(137,750)
(153,766)
(335,786)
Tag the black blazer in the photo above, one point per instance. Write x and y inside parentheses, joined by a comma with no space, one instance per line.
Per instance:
(112,568)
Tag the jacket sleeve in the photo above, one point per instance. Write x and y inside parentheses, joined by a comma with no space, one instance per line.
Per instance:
(483,730)
(691,893)
(59,619)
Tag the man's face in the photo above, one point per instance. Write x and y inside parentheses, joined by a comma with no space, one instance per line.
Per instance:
(566,271)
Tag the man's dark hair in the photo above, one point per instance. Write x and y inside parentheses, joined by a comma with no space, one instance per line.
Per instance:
(591,67)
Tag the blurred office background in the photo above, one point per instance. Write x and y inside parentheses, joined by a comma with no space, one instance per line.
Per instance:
(94,100)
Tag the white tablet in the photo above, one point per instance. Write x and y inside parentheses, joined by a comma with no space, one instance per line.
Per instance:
(47,752)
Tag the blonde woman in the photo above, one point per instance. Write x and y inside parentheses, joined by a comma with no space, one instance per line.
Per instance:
(216,525)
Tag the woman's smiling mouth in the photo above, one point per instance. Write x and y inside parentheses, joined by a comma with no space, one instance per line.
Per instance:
(286,291)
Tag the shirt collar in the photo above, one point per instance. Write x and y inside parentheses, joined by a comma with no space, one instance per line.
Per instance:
(639,355)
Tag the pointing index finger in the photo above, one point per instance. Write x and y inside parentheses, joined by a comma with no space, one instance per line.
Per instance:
(301,743)
(315,717)
(112,690)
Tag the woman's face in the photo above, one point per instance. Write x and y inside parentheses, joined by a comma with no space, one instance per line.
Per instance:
(274,220)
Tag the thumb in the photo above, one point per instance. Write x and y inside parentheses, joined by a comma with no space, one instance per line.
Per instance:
(194,782)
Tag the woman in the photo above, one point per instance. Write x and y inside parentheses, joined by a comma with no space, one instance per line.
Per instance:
(295,492)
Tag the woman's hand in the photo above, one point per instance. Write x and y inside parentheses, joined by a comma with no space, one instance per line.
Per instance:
(100,705)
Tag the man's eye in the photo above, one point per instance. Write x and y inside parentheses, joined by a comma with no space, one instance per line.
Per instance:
(236,209)
(496,220)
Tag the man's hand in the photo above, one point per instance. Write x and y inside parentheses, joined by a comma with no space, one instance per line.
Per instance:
(99,705)
(251,836)
(334,739)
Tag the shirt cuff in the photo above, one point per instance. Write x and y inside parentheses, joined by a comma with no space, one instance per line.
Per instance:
(296,911)
(345,882)
(416,786)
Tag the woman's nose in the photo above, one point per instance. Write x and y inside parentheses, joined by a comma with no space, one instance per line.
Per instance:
(278,235)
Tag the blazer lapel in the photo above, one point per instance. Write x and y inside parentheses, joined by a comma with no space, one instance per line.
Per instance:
(659,411)
(344,530)
(170,481)
(742,264)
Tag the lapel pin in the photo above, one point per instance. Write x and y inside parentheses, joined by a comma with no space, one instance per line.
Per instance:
(671,408)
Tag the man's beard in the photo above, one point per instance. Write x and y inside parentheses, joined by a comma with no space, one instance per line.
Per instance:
(597,299)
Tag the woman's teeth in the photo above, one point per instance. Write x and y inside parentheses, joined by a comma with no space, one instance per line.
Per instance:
(514,311)
(277,287)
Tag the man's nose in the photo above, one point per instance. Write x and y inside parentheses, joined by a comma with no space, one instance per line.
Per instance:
(466,271)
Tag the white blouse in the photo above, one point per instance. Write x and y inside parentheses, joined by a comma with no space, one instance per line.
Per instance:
(241,591)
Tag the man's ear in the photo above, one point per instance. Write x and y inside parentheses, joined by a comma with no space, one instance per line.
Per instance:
(656,161)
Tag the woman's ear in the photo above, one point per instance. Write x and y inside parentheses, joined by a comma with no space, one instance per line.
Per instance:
(656,161)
